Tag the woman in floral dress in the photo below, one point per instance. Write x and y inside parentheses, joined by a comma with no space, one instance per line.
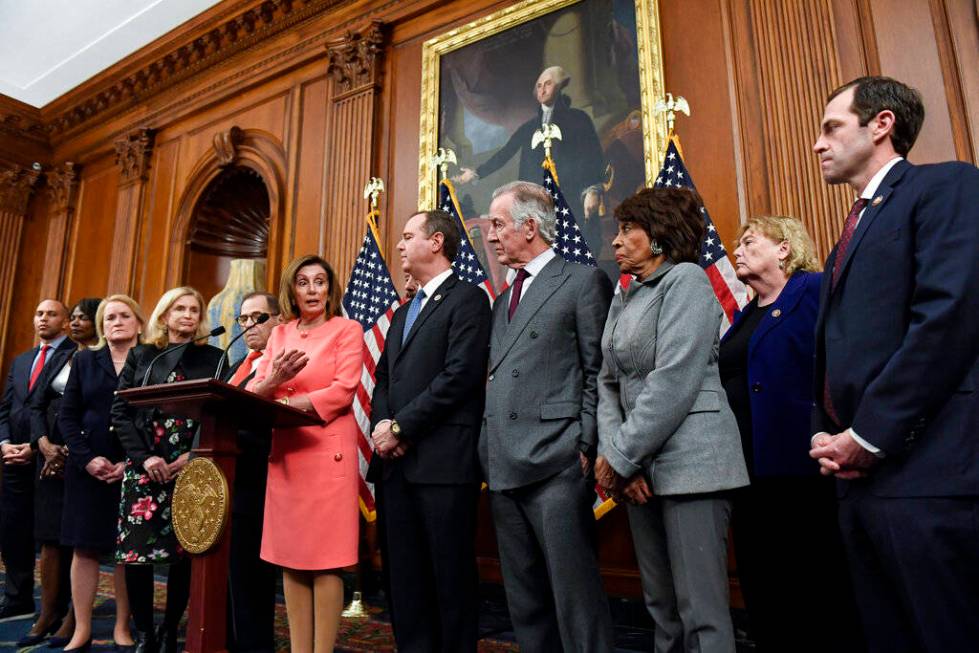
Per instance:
(157,447)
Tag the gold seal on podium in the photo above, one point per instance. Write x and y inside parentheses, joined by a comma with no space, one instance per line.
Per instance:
(200,505)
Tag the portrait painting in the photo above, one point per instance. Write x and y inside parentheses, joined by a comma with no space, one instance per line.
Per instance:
(590,67)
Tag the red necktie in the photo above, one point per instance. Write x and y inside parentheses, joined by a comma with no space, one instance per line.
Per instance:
(244,369)
(844,243)
(40,365)
(517,290)
(841,248)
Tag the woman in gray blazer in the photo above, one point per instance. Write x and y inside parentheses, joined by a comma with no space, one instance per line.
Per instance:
(668,441)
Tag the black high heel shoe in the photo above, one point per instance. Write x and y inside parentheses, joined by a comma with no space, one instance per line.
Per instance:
(31,640)
(166,637)
(145,642)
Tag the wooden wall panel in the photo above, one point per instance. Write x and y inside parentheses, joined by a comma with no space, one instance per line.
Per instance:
(90,247)
(310,218)
(150,269)
(898,23)
(792,72)
(707,136)
(25,293)
(963,21)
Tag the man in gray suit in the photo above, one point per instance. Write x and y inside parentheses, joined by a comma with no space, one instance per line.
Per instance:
(539,433)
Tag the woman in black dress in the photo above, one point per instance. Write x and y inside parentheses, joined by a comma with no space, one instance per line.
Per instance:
(157,447)
(786,519)
(95,466)
(49,487)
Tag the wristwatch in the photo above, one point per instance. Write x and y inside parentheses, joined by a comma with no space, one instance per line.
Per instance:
(396,429)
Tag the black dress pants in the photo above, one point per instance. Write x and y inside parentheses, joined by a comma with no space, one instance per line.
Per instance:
(17,534)
(251,587)
(428,543)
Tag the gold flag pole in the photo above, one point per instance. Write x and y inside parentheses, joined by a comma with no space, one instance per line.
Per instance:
(670,106)
(356,608)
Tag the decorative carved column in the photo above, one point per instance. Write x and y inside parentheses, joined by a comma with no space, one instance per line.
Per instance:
(133,154)
(354,62)
(16,187)
(61,191)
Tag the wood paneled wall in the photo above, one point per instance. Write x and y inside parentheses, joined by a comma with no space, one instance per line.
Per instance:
(325,94)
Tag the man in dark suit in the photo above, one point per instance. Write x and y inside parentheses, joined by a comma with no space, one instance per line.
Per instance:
(425,415)
(897,340)
(17,500)
(251,580)
(540,433)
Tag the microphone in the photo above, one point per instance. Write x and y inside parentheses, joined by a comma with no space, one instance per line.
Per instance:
(261,319)
(216,331)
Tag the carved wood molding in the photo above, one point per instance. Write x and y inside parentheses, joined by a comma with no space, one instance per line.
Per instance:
(16,187)
(222,41)
(354,57)
(226,145)
(133,155)
(22,126)
(62,182)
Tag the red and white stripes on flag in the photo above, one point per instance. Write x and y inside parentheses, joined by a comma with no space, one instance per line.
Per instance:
(371,299)
(730,292)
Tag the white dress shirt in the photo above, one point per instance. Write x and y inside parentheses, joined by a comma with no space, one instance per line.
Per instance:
(533,268)
(432,286)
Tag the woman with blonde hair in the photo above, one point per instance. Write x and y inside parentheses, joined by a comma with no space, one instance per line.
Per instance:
(313,362)
(157,447)
(788,513)
(96,462)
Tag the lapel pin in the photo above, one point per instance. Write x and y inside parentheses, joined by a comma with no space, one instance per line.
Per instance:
(777,312)
(877,200)
(436,298)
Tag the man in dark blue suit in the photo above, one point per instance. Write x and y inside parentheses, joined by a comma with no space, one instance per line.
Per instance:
(897,340)
(17,500)
(425,413)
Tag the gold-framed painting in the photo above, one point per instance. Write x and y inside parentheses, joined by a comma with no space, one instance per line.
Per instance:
(594,66)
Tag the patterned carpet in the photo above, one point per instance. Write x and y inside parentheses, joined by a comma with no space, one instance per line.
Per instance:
(371,635)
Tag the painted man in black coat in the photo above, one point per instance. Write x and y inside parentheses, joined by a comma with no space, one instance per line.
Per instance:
(578,155)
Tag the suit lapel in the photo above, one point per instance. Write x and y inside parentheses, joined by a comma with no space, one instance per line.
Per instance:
(549,280)
(432,305)
(104,358)
(55,361)
(778,311)
(873,209)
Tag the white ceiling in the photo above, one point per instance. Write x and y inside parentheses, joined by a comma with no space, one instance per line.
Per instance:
(48,47)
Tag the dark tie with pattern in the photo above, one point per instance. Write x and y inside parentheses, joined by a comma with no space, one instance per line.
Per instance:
(517,290)
(841,248)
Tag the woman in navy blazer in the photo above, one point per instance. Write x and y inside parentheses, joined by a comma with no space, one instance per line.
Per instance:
(96,462)
(786,537)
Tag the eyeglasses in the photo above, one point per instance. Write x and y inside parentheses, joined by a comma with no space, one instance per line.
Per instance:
(244,320)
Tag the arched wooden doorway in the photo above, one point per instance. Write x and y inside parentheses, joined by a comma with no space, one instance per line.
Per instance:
(230,221)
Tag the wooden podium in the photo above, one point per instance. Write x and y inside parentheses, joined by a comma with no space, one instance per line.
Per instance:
(222,410)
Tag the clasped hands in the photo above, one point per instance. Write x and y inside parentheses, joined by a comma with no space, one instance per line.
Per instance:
(17,454)
(161,471)
(841,456)
(386,443)
(635,489)
(54,457)
(101,468)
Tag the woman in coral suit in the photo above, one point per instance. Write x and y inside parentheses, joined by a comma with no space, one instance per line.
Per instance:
(312,362)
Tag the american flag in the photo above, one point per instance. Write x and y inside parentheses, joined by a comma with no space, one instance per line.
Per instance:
(570,243)
(731,293)
(466,264)
(370,298)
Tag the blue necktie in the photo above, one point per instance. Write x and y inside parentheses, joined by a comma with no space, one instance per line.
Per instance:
(413,310)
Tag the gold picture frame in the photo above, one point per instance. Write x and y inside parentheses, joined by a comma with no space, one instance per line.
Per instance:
(650,68)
